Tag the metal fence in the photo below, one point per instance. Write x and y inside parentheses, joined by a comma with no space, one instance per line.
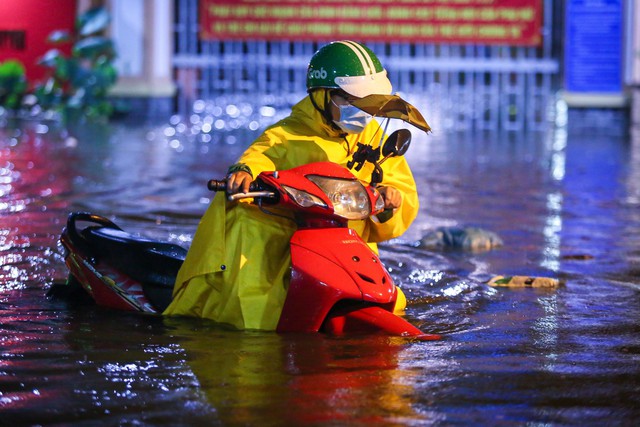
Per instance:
(459,87)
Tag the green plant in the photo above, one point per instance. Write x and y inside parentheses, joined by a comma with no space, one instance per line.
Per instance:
(13,84)
(80,81)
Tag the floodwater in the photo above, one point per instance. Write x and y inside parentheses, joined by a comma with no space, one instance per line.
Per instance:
(566,203)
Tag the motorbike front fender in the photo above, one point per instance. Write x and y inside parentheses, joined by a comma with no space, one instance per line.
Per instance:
(373,320)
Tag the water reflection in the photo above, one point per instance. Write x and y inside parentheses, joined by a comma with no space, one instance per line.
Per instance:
(29,186)
(261,377)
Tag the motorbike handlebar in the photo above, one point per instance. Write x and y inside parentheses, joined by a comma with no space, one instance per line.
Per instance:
(255,190)
(221,185)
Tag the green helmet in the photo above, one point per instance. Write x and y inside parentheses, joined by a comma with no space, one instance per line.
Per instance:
(349,66)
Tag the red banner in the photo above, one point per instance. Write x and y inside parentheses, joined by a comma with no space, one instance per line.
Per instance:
(25,26)
(503,22)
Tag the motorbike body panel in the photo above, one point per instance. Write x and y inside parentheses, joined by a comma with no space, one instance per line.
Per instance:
(120,270)
(298,177)
(328,266)
(108,287)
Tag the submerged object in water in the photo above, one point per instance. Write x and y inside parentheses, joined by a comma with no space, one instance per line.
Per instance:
(467,238)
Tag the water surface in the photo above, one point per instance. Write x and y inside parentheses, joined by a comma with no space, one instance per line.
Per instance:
(566,203)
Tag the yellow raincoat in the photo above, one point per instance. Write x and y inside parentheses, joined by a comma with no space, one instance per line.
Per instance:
(237,269)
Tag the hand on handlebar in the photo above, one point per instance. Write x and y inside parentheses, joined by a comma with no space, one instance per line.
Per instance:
(238,182)
(392,197)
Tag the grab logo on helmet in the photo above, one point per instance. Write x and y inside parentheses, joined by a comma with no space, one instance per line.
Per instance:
(318,74)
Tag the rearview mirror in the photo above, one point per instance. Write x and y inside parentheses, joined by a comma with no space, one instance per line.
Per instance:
(397,143)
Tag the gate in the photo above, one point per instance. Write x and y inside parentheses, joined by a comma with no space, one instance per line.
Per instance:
(458,87)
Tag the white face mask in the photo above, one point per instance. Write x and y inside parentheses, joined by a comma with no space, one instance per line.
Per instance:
(352,119)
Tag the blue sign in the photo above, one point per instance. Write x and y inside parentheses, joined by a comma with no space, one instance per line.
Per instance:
(593,46)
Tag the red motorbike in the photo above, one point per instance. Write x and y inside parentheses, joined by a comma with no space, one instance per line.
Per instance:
(338,284)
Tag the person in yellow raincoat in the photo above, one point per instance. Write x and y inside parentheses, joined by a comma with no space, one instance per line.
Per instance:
(237,269)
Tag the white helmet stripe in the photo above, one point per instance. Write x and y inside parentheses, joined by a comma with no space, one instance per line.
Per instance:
(363,56)
(366,55)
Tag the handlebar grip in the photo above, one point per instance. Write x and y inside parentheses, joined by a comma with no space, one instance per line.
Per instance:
(217,185)
(221,185)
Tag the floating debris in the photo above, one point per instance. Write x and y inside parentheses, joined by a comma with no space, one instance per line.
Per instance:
(577,257)
(524,282)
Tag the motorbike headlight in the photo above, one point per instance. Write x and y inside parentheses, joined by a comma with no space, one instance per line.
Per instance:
(349,198)
(303,198)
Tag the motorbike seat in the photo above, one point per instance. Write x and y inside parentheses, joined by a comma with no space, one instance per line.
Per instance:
(153,263)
